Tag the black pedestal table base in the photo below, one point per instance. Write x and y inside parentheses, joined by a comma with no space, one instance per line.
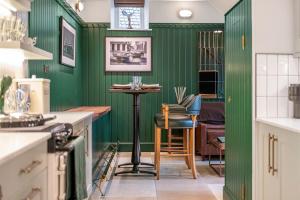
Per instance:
(136,147)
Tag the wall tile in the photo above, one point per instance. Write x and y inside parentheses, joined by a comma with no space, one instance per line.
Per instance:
(261,86)
(272,86)
(293,80)
(293,66)
(283,107)
(283,82)
(261,64)
(272,65)
(272,107)
(261,107)
(283,65)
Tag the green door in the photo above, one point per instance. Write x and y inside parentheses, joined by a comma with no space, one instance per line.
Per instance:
(238,92)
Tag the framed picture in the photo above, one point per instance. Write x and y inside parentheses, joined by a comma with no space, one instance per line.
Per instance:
(67,43)
(128,54)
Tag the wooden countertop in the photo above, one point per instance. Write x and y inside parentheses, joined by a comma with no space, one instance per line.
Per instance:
(98,111)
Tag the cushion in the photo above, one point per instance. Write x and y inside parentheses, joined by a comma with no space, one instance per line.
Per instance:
(175,121)
(212,113)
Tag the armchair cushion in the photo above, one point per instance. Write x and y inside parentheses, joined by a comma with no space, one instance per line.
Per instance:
(212,113)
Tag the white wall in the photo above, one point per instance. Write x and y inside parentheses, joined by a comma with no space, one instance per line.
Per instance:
(223,5)
(167,12)
(160,12)
(273,26)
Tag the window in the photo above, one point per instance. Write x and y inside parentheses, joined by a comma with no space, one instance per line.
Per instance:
(136,17)
(139,15)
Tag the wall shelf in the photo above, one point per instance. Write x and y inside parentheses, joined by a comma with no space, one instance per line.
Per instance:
(29,52)
(17,5)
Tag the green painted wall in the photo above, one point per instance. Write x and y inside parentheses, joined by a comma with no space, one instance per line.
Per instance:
(174,58)
(66,82)
(238,88)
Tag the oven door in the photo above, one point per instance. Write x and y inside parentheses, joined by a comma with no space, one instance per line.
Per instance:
(57,173)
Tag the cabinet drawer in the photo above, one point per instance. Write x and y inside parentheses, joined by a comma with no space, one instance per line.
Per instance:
(34,189)
(19,171)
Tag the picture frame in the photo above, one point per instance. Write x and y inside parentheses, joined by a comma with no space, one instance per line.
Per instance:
(128,54)
(67,43)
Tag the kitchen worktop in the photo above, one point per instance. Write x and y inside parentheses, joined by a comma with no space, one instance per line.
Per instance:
(69,117)
(290,124)
(14,144)
(98,111)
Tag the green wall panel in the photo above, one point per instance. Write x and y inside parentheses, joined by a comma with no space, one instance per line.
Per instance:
(66,82)
(174,63)
(238,87)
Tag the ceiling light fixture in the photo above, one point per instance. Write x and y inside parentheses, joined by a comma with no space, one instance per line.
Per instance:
(218,31)
(79,6)
(185,13)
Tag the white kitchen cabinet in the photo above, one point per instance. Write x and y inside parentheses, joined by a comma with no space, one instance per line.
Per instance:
(26,175)
(278,159)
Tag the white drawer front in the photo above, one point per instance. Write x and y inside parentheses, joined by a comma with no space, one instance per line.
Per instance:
(35,189)
(18,172)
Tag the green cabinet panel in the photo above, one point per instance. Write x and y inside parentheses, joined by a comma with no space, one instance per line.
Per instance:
(238,92)
(174,63)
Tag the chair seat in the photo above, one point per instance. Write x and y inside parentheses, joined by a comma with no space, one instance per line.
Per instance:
(175,121)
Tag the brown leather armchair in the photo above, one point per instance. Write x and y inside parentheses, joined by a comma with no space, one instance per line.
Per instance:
(211,125)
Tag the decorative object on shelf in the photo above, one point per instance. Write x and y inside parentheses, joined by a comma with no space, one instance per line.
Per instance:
(30,41)
(12,29)
(128,15)
(128,54)
(5,84)
(294,96)
(67,43)
(79,6)
(185,13)
(180,93)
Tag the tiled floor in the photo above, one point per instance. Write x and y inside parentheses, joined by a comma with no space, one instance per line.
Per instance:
(176,182)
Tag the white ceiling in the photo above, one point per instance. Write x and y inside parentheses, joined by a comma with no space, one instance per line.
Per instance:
(221,5)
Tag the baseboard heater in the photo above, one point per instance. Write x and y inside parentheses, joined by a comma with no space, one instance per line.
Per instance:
(105,169)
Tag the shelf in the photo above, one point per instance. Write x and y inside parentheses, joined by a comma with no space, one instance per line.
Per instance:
(29,52)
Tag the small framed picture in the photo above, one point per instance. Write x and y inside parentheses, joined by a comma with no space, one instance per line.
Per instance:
(67,43)
(128,54)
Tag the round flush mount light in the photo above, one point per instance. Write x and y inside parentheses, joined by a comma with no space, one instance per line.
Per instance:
(79,6)
(185,13)
(218,31)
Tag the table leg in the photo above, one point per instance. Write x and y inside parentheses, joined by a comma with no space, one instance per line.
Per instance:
(136,147)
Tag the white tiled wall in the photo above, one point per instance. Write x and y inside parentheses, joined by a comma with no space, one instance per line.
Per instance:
(274,73)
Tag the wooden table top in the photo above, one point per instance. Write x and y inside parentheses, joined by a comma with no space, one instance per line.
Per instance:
(97,111)
(129,91)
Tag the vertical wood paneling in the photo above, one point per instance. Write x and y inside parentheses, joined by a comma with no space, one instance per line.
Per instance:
(66,82)
(238,76)
(174,59)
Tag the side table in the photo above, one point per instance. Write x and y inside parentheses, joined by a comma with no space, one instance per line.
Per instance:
(220,147)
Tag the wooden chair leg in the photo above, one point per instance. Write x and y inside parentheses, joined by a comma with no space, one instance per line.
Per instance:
(186,146)
(169,139)
(158,143)
(192,152)
(155,141)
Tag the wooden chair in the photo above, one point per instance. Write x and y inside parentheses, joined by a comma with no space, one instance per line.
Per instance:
(187,122)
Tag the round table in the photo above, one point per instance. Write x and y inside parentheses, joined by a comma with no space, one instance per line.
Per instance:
(136,148)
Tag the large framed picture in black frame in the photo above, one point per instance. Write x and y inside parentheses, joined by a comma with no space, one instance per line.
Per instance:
(128,54)
(67,43)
